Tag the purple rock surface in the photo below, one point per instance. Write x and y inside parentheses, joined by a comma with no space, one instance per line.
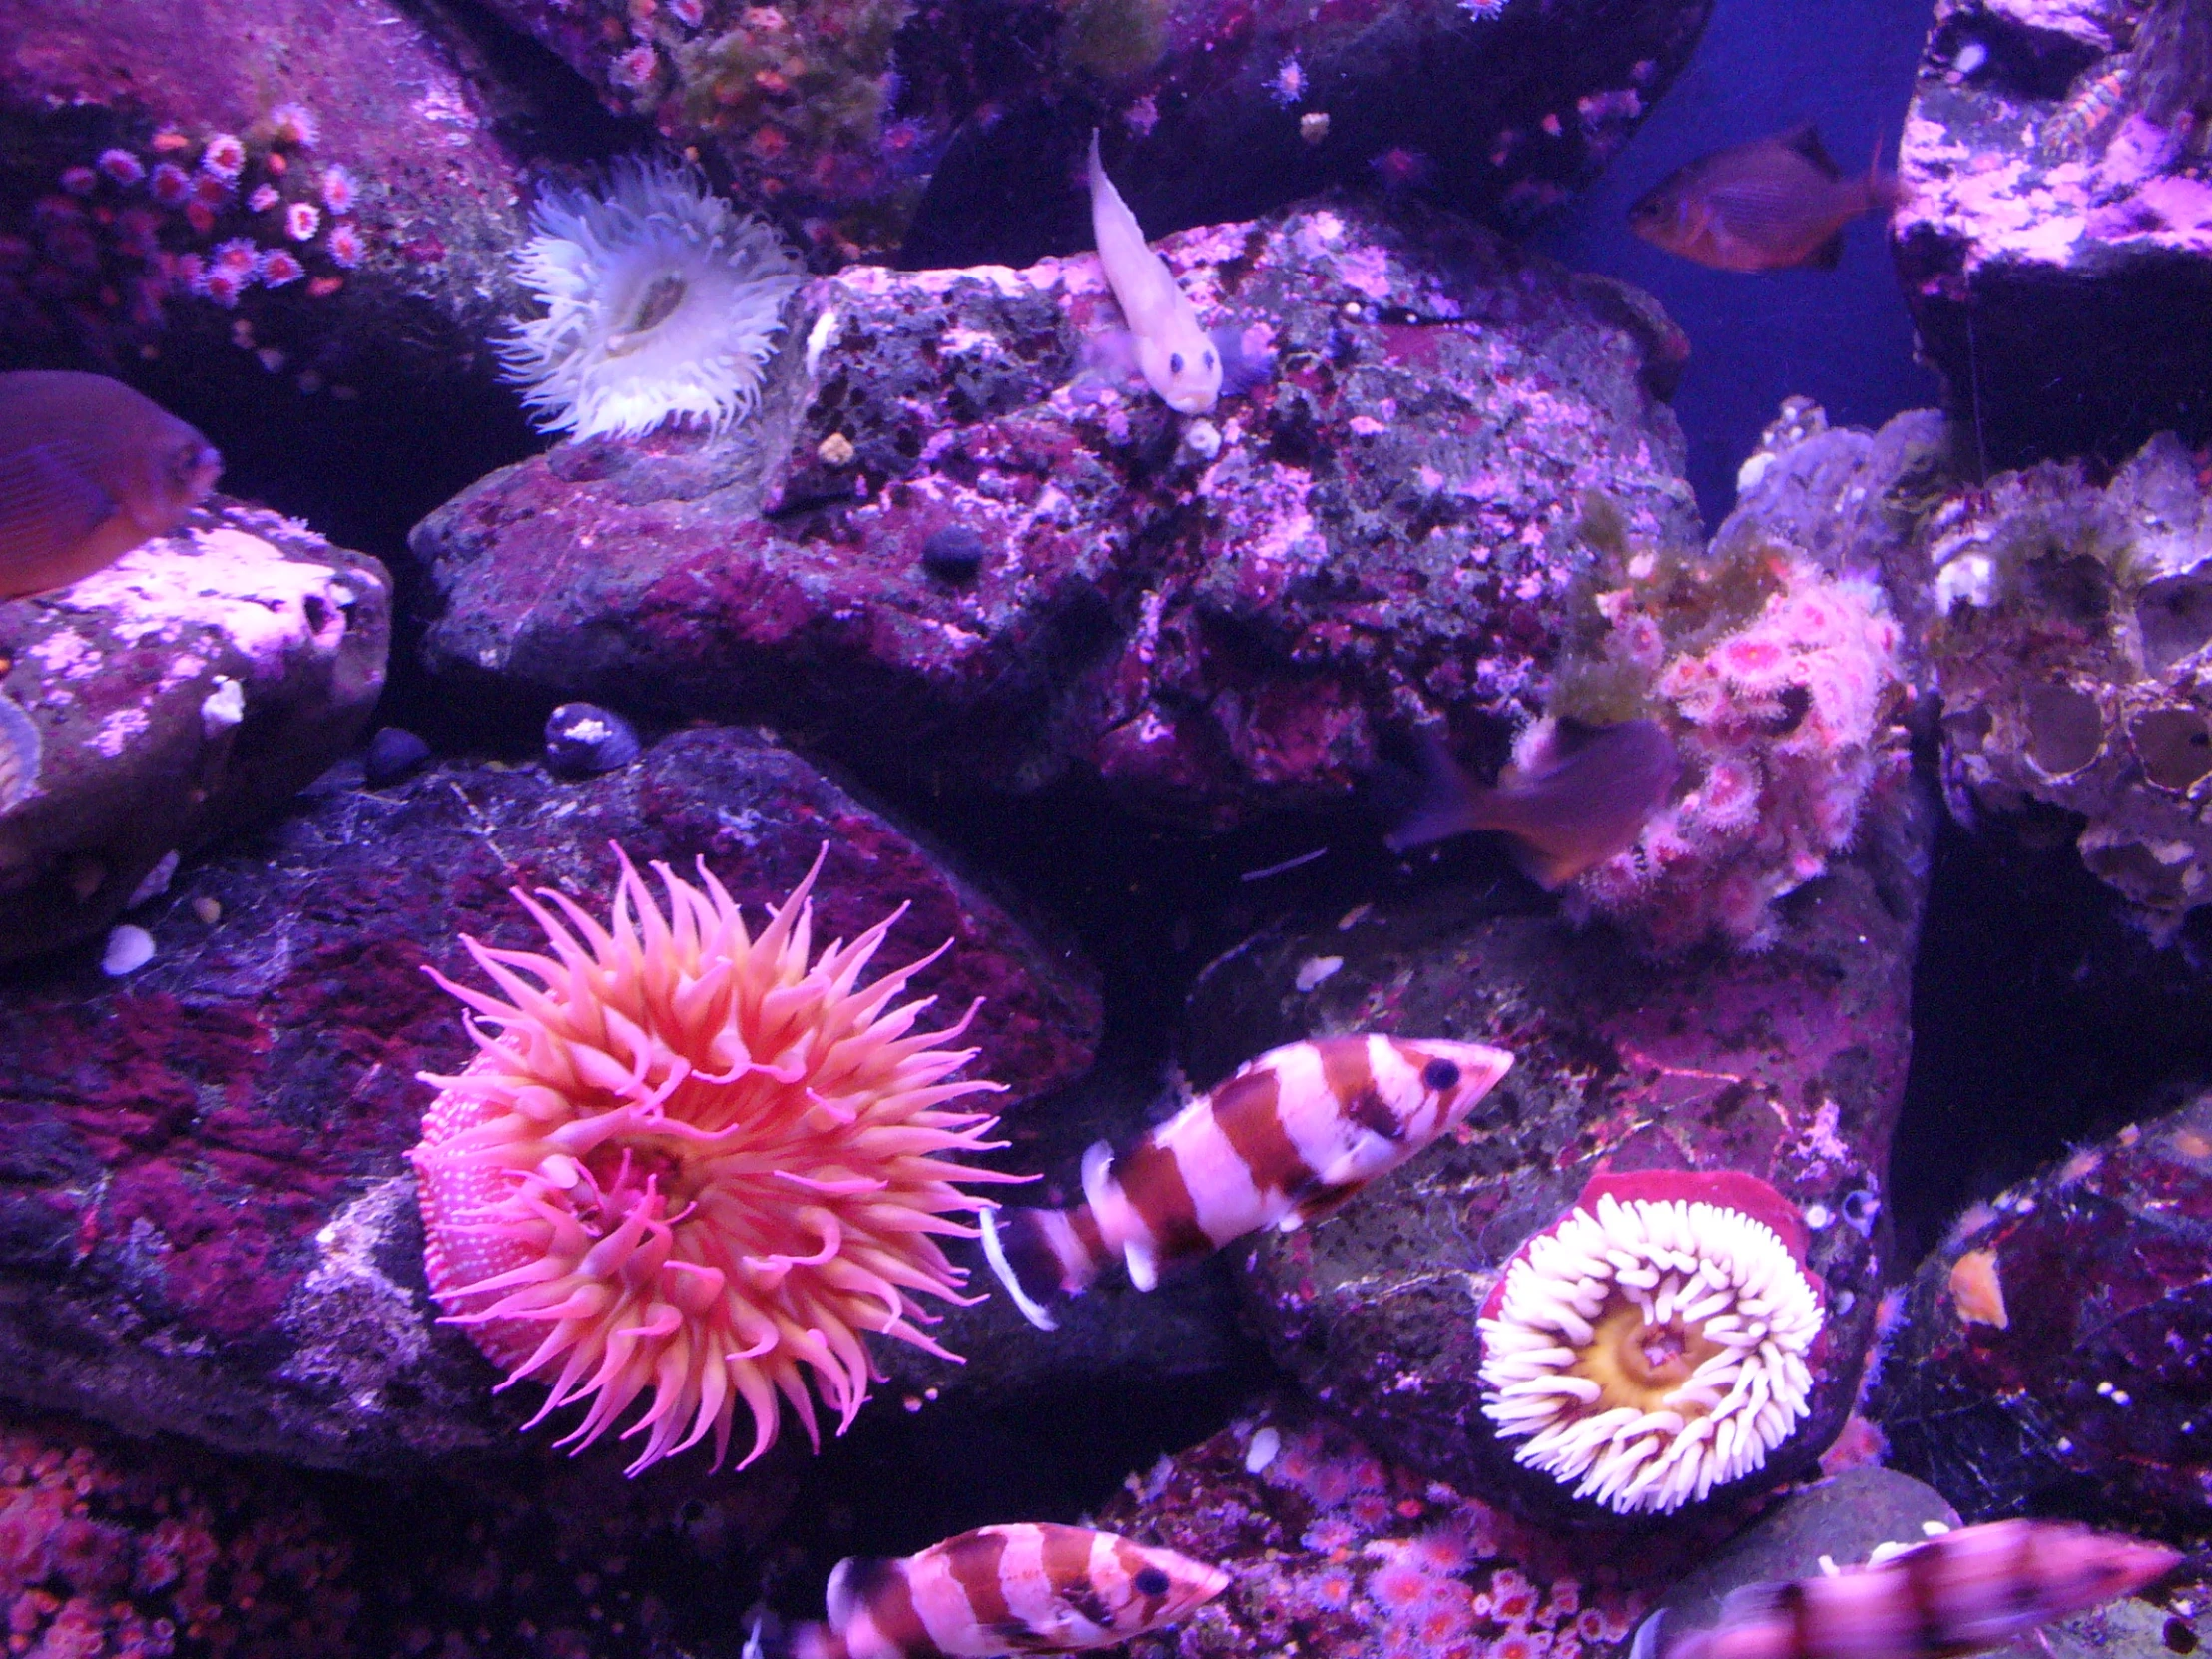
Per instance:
(2057,1352)
(207,1226)
(1788,1065)
(2056,244)
(180,695)
(960,126)
(1214,620)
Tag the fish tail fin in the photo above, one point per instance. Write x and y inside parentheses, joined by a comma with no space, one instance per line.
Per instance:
(1449,802)
(805,1641)
(1039,1257)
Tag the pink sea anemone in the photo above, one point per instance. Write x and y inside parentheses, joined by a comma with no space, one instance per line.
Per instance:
(121,166)
(172,184)
(223,157)
(339,189)
(301,219)
(344,244)
(280,270)
(687,1162)
(293,124)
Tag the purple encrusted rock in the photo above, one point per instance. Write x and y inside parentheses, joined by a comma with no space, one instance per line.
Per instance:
(208,1227)
(1215,620)
(1787,1065)
(180,695)
(2056,1353)
(958,124)
(2056,244)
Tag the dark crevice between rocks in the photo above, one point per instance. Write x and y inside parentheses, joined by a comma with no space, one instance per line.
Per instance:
(2042,1019)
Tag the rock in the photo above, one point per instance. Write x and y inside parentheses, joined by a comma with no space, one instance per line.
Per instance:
(1838,1523)
(181,694)
(2072,656)
(341,370)
(121,1546)
(1388,534)
(2057,242)
(1787,1065)
(206,1225)
(1335,1550)
(2054,1352)
(878,120)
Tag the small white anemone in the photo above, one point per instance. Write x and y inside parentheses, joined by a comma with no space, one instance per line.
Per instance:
(1650,1352)
(661,303)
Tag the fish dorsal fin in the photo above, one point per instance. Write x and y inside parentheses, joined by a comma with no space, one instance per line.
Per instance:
(1805,141)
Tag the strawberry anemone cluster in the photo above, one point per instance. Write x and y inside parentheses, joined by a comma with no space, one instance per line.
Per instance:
(691,1165)
(1656,1342)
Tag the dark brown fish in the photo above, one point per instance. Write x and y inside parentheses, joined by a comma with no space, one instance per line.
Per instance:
(88,468)
(1765,205)
(1585,799)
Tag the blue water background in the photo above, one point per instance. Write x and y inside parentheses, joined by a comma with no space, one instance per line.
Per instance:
(1841,337)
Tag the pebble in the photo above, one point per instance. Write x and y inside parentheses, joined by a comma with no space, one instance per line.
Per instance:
(209,910)
(583,740)
(129,949)
(393,753)
(954,554)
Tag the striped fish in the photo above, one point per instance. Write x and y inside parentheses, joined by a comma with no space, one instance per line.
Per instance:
(1960,1592)
(1005,1589)
(1289,1138)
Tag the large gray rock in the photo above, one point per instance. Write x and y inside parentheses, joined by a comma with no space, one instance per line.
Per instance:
(181,694)
(1214,620)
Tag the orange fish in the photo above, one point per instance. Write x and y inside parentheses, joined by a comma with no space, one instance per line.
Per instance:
(1580,801)
(1765,205)
(88,468)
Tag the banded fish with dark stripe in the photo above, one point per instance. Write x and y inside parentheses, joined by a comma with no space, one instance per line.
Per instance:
(1027,1588)
(1290,1137)
(1959,1592)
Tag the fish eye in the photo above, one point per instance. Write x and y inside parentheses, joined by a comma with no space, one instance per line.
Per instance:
(1151,1581)
(1439,1075)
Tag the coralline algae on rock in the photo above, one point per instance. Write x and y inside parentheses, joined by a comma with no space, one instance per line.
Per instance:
(2072,657)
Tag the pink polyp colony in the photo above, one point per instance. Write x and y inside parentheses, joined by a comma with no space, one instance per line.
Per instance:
(688,1166)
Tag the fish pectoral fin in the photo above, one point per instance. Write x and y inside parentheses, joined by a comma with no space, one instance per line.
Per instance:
(1144,1267)
(1828,255)
(1326,1199)
(1549,870)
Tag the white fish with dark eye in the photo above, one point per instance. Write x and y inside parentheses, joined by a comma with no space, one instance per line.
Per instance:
(1960,1592)
(1177,358)
(88,468)
(1290,1137)
(1026,1588)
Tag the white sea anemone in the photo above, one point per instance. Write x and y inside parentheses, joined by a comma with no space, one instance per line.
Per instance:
(1647,1352)
(660,300)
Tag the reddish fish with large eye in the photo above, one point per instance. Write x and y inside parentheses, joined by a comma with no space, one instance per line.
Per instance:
(1289,1138)
(1959,1592)
(1029,1588)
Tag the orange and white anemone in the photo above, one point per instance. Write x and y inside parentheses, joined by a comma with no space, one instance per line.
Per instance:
(1656,1342)
(689,1166)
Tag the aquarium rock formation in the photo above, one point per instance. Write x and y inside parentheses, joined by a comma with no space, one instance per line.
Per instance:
(2054,1352)
(178,696)
(1785,1065)
(218,1238)
(2055,242)
(882,121)
(1214,619)
(2073,654)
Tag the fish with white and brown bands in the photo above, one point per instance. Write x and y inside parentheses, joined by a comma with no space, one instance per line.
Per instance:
(1764,206)
(1028,1588)
(1290,1137)
(1959,1592)
(88,468)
